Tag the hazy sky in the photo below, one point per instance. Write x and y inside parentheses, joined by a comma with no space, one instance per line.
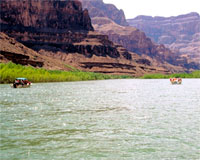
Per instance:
(166,8)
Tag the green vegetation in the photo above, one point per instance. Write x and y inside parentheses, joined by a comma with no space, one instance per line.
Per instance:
(195,74)
(10,71)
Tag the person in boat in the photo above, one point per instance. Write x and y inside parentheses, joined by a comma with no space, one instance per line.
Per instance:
(26,82)
(21,81)
(176,80)
(16,83)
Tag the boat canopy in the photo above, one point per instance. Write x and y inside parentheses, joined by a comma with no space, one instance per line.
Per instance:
(21,78)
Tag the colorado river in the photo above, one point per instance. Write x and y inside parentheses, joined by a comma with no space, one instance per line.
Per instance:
(112,119)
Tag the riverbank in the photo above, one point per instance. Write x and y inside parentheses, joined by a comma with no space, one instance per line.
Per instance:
(10,71)
(194,74)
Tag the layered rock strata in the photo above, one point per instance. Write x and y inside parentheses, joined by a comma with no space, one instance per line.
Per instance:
(180,33)
(62,31)
(136,41)
(49,16)
(97,8)
(11,50)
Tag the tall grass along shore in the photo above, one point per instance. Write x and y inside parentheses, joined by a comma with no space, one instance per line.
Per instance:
(10,71)
(194,74)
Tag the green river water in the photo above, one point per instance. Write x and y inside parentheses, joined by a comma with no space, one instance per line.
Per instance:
(112,120)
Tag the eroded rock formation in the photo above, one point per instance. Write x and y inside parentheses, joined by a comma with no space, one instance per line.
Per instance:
(62,31)
(45,15)
(136,41)
(97,8)
(11,50)
(181,34)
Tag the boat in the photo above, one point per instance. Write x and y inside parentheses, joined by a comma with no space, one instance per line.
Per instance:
(21,83)
(175,80)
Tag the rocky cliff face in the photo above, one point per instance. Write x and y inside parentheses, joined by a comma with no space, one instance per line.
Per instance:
(55,58)
(45,15)
(181,33)
(54,24)
(11,50)
(133,39)
(136,41)
(62,31)
(97,8)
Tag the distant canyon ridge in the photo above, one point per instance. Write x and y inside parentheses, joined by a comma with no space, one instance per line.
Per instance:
(179,33)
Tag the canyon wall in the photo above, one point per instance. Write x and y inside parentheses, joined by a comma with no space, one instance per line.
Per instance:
(180,33)
(62,31)
(97,8)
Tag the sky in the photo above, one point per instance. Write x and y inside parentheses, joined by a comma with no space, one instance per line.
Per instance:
(164,8)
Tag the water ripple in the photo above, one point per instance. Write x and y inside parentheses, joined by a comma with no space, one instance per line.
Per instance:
(114,119)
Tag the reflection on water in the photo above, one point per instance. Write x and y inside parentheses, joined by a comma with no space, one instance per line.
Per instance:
(113,119)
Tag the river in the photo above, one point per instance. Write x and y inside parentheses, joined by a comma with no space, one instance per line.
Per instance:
(130,119)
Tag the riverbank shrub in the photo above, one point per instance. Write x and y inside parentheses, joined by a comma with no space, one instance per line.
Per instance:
(10,71)
(194,74)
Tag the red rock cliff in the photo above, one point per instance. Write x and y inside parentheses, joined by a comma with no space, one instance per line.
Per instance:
(180,33)
(63,31)
(97,8)
(66,14)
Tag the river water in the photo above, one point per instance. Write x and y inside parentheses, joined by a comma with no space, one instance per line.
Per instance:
(112,119)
